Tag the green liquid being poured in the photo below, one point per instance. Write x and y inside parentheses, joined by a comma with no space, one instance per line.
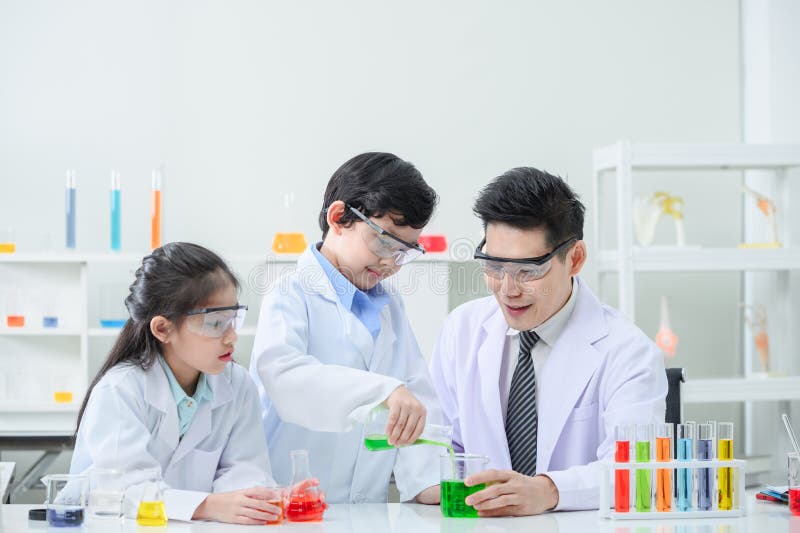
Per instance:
(453,495)
(380,442)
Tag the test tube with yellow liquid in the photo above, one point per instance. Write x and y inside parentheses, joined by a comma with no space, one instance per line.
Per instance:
(151,510)
(725,451)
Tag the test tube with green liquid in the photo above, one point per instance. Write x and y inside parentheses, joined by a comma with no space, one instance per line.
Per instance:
(644,438)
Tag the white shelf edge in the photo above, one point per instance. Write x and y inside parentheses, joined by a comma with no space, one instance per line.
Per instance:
(40,332)
(740,389)
(699,156)
(41,408)
(677,259)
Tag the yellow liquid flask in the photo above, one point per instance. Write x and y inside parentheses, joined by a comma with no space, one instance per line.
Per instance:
(151,510)
(289,242)
(7,244)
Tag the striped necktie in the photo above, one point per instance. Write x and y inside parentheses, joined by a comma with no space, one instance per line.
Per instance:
(521,417)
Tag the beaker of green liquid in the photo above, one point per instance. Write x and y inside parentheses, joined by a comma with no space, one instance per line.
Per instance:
(453,470)
(376,439)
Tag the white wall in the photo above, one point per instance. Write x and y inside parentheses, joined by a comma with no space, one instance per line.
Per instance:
(241,101)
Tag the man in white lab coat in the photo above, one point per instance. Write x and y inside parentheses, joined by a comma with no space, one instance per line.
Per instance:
(538,375)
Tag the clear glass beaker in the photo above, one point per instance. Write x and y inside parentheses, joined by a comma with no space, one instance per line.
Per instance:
(151,511)
(66,499)
(106,492)
(453,470)
(376,439)
(289,240)
(113,313)
(306,500)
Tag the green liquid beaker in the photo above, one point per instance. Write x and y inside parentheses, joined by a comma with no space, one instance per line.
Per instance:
(453,470)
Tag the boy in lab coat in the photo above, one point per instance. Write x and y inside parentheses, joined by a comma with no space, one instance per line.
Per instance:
(334,342)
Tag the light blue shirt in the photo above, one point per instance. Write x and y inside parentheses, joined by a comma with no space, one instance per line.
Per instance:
(187,405)
(365,305)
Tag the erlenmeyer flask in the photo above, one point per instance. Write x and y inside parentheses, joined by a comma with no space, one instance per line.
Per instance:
(151,506)
(306,501)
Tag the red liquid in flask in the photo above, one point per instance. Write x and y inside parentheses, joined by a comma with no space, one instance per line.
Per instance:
(305,507)
(622,479)
(794,501)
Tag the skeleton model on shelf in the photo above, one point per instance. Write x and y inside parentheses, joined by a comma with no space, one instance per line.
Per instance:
(756,319)
(648,210)
(766,206)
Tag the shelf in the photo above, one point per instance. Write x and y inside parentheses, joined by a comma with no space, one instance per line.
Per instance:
(699,156)
(740,389)
(40,408)
(688,259)
(40,332)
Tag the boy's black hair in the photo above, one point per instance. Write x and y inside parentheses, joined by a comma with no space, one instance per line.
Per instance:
(527,198)
(377,184)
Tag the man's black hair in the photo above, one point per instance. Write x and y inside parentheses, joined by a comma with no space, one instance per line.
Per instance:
(377,184)
(527,198)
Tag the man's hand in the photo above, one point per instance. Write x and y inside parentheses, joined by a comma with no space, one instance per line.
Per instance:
(406,417)
(511,494)
(429,496)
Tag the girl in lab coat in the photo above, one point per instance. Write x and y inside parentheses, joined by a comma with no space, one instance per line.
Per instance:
(168,396)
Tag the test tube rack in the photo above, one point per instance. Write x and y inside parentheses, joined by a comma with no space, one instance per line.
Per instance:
(607,507)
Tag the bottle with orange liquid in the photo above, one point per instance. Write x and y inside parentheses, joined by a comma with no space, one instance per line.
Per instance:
(664,475)
(289,241)
(15,316)
(306,500)
(155,211)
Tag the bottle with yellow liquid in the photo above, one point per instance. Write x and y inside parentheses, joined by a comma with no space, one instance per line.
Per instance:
(291,241)
(151,505)
(7,244)
(725,474)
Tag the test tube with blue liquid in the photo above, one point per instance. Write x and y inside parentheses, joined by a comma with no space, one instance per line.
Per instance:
(70,209)
(685,475)
(116,212)
(705,476)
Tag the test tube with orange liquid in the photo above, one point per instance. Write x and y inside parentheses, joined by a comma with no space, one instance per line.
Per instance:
(663,475)
(155,211)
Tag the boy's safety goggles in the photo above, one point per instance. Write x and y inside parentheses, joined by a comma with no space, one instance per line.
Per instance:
(215,321)
(520,270)
(387,245)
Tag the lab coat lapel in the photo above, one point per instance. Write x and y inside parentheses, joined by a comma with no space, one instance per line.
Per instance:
(384,344)
(200,428)
(490,354)
(158,395)
(571,364)
(316,282)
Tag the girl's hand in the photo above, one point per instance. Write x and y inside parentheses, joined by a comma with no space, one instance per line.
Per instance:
(406,417)
(247,506)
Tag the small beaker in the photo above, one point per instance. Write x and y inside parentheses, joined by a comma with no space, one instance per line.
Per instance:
(453,470)
(376,439)
(15,313)
(113,313)
(278,498)
(7,244)
(106,492)
(151,511)
(794,483)
(66,499)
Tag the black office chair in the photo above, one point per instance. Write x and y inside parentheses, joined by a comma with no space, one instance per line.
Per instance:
(675,376)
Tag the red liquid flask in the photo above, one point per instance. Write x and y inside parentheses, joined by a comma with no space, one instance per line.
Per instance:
(306,501)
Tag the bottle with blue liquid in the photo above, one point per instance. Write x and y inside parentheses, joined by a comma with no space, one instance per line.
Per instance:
(685,453)
(70,209)
(116,212)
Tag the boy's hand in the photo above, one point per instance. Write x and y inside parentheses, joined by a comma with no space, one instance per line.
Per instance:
(406,417)
(246,506)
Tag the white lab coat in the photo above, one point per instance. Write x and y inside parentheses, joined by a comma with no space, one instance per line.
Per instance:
(131,423)
(319,373)
(602,371)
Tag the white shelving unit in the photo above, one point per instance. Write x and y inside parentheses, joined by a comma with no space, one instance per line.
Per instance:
(619,163)
(47,357)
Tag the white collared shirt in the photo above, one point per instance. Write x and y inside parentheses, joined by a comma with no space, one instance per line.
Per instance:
(548,332)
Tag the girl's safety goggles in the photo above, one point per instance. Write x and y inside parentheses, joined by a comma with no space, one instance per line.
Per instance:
(215,321)
(520,270)
(387,245)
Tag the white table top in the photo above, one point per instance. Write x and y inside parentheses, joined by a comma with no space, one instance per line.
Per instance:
(413,518)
